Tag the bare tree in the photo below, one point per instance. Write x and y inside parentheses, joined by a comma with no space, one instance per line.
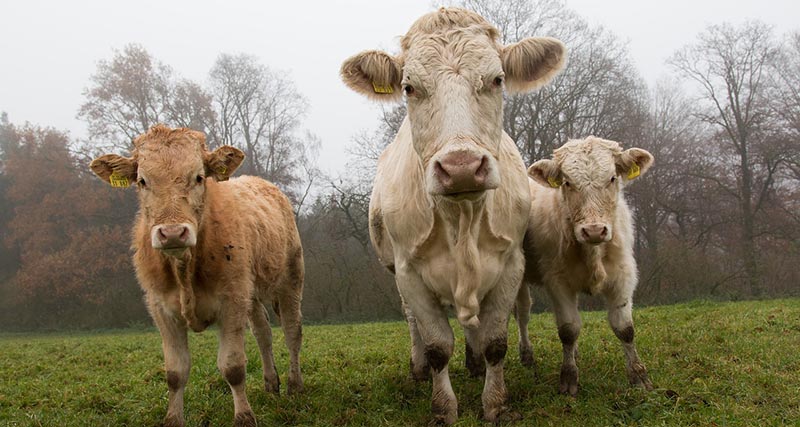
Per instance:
(592,96)
(259,111)
(785,99)
(134,91)
(729,65)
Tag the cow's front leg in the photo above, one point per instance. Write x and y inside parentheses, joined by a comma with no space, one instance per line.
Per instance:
(620,317)
(177,362)
(437,337)
(568,319)
(495,310)
(420,370)
(231,359)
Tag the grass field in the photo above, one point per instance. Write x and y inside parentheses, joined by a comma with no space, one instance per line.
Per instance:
(714,364)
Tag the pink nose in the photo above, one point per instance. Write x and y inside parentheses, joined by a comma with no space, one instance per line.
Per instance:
(172,236)
(594,233)
(461,171)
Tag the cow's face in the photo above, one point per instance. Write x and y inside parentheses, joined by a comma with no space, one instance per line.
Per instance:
(453,72)
(170,169)
(590,174)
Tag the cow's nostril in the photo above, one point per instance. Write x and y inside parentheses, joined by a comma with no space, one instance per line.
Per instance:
(439,170)
(483,168)
(161,235)
(185,234)
(604,233)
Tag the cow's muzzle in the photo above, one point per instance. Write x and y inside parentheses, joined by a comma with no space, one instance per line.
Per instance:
(593,234)
(463,172)
(173,238)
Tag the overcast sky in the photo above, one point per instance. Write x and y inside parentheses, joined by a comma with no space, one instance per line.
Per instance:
(50,48)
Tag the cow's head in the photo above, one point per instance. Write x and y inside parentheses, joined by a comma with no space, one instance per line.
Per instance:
(170,168)
(452,71)
(590,174)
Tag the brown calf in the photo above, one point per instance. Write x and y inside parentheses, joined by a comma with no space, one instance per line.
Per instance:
(209,251)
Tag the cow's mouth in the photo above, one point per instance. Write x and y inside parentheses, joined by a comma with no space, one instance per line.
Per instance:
(471,195)
(175,252)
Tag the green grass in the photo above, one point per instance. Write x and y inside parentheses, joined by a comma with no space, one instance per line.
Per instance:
(714,364)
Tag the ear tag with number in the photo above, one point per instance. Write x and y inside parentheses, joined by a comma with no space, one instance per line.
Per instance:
(634,171)
(555,183)
(382,89)
(222,170)
(118,181)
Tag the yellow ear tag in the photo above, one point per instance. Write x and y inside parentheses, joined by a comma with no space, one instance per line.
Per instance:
(382,89)
(222,170)
(634,171)
(553,182)
(118,181)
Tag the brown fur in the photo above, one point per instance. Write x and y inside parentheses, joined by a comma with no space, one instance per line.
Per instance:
(247,252)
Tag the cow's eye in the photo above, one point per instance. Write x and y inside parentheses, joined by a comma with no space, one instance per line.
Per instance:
(498,81)
(566,184)
(613,179)
(408,89)
(199,179)
(142,183)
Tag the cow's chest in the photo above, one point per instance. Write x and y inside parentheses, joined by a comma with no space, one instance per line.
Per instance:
(206,305)
(443,271)
(582,274)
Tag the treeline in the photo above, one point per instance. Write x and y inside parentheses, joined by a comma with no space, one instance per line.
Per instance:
(717,217)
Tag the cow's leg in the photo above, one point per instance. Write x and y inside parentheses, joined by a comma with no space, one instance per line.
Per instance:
(177,363)
(495,310)
(231,359)
(437,336)
(522,312)
(420,370)
(565,306)
(473,354)
(292,324)
(259,323)
(620,317)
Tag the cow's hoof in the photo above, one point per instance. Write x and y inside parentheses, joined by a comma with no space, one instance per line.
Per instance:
(637,374)
(272,385)
(173,421)
(245,419)
(503,415)
(568,383)
(295,385)
(526,357)
(443,419)
(445,411)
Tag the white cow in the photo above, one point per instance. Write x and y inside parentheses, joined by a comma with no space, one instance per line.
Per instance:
(580,239)
(450,200)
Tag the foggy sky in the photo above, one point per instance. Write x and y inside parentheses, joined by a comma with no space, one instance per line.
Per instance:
(50,48)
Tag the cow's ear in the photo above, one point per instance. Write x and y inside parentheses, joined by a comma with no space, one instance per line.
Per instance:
(532,62)
(116,170)
(633,163)
(222,162)
(374,74)
(546,172)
